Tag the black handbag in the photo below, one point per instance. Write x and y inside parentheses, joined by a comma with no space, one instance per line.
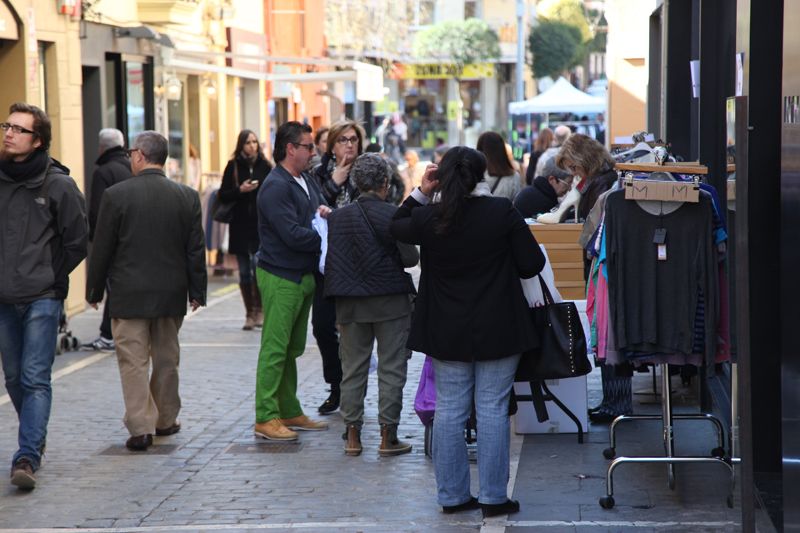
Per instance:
(223,211)
(562,345)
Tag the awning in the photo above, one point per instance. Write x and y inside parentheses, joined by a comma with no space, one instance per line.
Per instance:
(8,24)
(562,97)
(368,78)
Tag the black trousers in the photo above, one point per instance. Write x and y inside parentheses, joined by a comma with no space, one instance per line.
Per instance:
(323,325)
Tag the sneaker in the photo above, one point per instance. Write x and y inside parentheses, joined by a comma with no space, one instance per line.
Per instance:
(22,474)
(101,344)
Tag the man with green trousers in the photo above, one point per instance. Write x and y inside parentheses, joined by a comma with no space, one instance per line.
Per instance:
(287,257)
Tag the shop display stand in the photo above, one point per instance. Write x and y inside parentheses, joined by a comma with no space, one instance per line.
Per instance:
(669,458)
(717,455)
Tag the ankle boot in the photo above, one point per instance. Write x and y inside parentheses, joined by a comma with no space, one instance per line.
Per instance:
(331,404)
(258,315)
(247,298)
(353,445)
(390,445)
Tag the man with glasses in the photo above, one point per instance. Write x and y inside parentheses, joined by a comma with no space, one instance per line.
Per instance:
(544,193)
(149,248)
(287,258)
(43,237)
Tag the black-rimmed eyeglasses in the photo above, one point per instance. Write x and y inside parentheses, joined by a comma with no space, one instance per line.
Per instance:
(5,126)
(310,146)
(130,152)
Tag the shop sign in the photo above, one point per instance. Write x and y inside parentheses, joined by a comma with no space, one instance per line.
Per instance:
(8,26)
(438,71)
(246,43)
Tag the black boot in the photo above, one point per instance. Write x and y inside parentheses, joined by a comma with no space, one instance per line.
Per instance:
(510,506)
(247,298)
(331,404)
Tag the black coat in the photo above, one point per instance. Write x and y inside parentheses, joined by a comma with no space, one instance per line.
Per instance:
(149,245)
(595,186)
(243,229)
(357,263)
(470,305)
(113,166)
(536,199)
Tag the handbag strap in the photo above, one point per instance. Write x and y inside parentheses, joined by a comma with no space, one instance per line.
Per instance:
(496,183)
(375,234)
(548,298)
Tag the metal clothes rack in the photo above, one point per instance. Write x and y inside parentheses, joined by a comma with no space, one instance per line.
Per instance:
(717,455)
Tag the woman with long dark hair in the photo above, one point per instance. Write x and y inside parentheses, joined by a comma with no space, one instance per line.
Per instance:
(500,175)
(471,317)
(542,143)
(241,179)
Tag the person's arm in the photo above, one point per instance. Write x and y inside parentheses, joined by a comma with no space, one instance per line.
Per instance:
(99,186)
(228,189)
(196,256)
(409,255)
(275,203)
(528,257)
(103,249)
(402,227)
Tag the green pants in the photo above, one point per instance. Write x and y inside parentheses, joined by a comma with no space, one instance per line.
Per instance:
(283,338)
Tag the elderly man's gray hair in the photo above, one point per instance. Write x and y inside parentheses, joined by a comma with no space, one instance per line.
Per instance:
(153,145)
(109,138)
(370,172)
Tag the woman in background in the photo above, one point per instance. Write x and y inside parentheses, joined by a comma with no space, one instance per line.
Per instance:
(500,175)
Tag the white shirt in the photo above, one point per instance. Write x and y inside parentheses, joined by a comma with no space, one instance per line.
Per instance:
(302,182)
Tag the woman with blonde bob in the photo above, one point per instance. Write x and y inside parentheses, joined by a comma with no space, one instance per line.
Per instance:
(345,143)
(586,158)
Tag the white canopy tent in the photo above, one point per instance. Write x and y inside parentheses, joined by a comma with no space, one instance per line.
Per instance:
(562,97)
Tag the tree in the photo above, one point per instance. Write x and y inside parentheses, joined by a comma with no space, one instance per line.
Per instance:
(459,42)
(569,12)
(555,47)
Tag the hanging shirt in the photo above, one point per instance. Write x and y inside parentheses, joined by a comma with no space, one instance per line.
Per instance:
(653,302)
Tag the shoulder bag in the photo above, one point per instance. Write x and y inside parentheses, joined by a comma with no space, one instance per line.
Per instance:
(562,345)
(223,211)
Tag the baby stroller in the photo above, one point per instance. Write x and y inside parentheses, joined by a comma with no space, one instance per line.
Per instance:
(65,340)
(425,407)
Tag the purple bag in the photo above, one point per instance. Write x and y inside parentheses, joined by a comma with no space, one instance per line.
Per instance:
(425,400)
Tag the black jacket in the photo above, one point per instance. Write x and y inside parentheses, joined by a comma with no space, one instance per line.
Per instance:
(42,239)
(595,186)
(289,246)
(149,246)
(358,264)
(113,166)
(470,305)
(536,199)
(243,229)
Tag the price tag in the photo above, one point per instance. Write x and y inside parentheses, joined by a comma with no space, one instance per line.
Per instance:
(662,252)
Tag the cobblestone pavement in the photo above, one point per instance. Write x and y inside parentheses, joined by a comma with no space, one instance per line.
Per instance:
(214,475)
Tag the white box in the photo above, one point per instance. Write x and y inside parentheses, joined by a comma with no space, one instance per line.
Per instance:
(572,393)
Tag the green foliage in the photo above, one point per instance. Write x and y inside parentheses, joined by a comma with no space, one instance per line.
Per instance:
(460,42)
(555,47)
(569,12)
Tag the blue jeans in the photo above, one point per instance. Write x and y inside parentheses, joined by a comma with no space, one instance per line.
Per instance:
(489,383)
(28,334)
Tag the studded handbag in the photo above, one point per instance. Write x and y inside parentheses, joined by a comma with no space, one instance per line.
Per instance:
(562,345)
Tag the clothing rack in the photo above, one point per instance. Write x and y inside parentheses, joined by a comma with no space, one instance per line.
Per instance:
(717,455)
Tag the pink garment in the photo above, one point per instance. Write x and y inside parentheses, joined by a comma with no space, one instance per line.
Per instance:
(602,314)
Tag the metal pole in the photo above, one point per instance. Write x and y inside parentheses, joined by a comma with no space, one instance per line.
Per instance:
(520,50)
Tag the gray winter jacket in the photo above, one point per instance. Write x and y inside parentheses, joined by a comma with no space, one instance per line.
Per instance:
(43,234)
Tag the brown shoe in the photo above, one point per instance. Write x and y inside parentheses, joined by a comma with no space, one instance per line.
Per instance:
(353,445)
(390,445)
(139,443)
(274,430)
(22,474)
(303,423)
(171,430)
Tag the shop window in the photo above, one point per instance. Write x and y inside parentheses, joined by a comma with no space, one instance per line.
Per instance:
(129,94)
(425,107)
(42,74)
(471,9)
(424,12)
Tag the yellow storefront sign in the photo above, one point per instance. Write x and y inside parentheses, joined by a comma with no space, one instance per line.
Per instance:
(433,71)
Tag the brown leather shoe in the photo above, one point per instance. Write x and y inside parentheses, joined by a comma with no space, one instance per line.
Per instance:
(165,432)
(303,423)
(390,445)
(139,443)
(22,474)
(353,445)
(274,430)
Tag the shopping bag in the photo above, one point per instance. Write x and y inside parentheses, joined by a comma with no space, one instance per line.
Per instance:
(425,400)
